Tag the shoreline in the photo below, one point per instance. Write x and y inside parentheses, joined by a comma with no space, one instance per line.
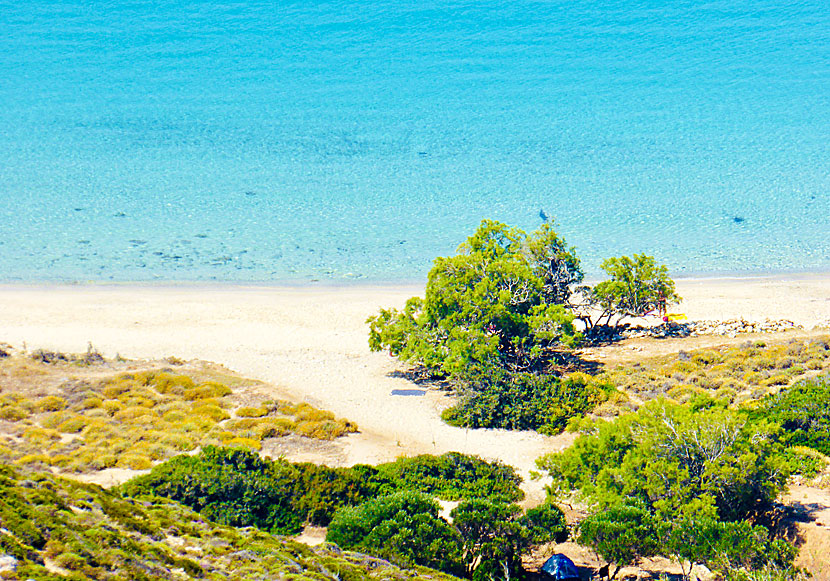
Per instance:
(801,297)
(329,284)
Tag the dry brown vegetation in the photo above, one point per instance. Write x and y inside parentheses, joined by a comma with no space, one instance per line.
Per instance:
(740,374)
(78,416)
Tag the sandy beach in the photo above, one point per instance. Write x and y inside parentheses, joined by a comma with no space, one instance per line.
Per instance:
(310,343)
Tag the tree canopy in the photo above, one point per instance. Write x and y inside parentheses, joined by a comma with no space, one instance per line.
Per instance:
(678,480)
(700,460)
(622,534)
(501,301)
(498,317)
(637,286)
(403,527)
(484,541)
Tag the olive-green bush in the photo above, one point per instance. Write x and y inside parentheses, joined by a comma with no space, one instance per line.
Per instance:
(95,534)
(235,486)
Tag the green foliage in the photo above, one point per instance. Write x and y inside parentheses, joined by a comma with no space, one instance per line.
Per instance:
(637,286)
(493,537)
(452,476)
(498,302)
(624,534)
(621,534)
(700,460)
(404,528)
(804,461)
(728,546)
(546,524)
(804,413)
(496,316)
(319,490)
(231,486)
(237,487)
(94,534)
(525,401)
(487,537)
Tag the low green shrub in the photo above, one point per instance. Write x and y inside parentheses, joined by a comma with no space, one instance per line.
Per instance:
(404,528)
(224,479)
(803,410)
(805,461)
(453,476)
(521,401)
(251,412)
(51,403)
(13,413)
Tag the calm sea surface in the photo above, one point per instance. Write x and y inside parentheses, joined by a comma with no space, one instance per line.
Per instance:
(277,141)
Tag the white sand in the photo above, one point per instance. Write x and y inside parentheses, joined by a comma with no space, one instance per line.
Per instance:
(312,344)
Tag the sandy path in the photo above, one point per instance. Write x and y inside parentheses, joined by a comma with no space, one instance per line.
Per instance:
(312,344)
(813,528)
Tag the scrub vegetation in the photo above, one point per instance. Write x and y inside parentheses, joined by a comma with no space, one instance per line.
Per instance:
(498,318)
(695,481)
(237,487)
(485,538)
(735,374)
(387,510)
(138,419)
(58,529)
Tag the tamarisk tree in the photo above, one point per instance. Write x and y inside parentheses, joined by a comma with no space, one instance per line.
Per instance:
(498,318)
(502,301)
(637,287)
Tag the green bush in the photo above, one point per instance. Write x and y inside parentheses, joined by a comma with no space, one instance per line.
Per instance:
(804,461)
(546,524)
(525,401)
(695,459)
(403,527)
(224,482)
(321,490)
(230,486)
(803,410)
(452,476)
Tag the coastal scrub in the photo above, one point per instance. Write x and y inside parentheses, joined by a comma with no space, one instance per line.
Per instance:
(135,420)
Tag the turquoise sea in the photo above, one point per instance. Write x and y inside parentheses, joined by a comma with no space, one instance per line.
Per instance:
(294,141)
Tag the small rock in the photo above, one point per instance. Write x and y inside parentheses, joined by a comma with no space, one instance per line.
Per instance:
(8,564)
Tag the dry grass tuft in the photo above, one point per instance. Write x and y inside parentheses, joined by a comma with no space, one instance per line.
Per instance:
(135,420)
(739,374)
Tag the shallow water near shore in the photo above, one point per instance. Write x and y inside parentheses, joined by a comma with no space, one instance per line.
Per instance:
(356,141)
